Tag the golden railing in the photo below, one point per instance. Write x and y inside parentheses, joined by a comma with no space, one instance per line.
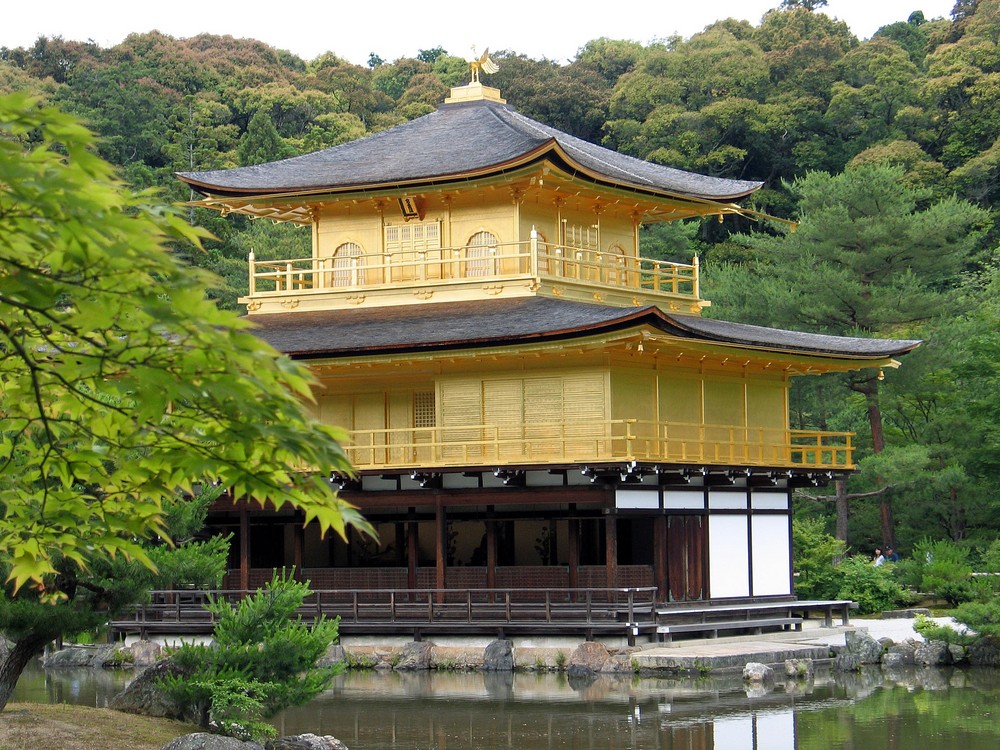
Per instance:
(530,259)
(610,440)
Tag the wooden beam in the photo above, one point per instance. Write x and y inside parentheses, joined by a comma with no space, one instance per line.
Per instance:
(412,554)
(440,548)
(491,554)
(660,557)
(574,554)
(611,549)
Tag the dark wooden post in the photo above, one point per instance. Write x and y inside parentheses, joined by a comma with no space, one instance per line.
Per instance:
(611,549)
(574,555)
(491,554)
(660,557)
(440,547)
(412,552)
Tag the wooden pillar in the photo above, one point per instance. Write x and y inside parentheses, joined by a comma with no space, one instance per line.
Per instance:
(412,553)
(491,554)
(660,557)
(574,554)
(244,546)
(611,549)
(298,544)
(440,547)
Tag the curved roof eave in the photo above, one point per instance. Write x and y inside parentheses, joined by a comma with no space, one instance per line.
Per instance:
(470,325)
(456,142)
(551,147)
(536,154)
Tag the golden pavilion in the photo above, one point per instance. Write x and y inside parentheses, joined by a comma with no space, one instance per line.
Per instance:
(530,403)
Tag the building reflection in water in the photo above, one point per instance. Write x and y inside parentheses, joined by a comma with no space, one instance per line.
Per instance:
(530,712)
(925,708)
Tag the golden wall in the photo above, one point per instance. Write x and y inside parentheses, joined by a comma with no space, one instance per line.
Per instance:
(545,412)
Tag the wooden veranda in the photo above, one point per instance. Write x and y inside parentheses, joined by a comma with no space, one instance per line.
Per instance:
(627,613)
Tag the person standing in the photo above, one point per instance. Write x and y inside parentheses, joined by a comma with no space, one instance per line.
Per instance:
(878,558)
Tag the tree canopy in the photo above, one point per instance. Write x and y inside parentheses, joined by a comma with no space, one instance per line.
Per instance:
(796,93)
(121,383)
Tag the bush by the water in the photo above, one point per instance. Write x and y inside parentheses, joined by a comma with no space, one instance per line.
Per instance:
(815,553)
(873,587)
(263,660)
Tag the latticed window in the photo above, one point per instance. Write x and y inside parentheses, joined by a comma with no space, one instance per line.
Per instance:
(481,254)
(413,237)
(580,237)
(423,409)
(348,265)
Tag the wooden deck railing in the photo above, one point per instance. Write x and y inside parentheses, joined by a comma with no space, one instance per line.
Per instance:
(529,259)
(623,611)
(609,440)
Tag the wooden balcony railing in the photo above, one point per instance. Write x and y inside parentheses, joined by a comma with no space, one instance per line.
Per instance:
(528,260)
(622,611)
(611,440)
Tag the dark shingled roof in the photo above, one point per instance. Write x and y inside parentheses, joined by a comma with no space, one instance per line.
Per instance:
(479,136)
(467,325)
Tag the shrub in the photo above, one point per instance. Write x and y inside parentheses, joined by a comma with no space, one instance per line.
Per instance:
(814,553)
(873,587)
(946,571)
(981,617)
(933,631)
(263,660)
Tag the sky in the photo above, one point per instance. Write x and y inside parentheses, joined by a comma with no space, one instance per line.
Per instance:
(394,28)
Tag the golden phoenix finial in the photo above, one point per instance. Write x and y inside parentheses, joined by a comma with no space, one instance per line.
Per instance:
(482,63)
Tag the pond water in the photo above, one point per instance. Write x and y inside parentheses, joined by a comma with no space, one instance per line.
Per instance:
(916,709)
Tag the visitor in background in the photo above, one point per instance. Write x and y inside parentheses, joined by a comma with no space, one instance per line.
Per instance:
(878,558)
(891,555)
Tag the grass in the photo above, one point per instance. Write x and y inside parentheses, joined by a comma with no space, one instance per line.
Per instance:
(30,726)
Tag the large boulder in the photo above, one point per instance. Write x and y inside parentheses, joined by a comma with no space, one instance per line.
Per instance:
(864,647)
(207,741)
(305,742)
(80,656)
(144,695)
(588,659)
(755,672)
(900,654)
(144,653)
(800,669)
(414,656)
(959,653)
(985,652)
(847,662)
(932,654)
(499,657)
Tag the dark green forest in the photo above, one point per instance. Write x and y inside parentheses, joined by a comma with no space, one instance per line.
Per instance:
(885,151)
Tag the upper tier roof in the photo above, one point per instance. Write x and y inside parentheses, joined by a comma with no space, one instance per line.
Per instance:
(459,140)
(465,325)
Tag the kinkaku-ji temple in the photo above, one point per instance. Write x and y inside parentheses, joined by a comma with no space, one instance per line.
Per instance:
(539,416)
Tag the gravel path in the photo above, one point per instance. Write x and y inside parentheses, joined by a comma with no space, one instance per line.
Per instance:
(898,629)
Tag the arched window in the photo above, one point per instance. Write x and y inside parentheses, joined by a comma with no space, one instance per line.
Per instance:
(480,254)
(614,266)
(348,265)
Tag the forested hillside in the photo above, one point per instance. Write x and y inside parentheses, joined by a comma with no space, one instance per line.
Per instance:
(887,151)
